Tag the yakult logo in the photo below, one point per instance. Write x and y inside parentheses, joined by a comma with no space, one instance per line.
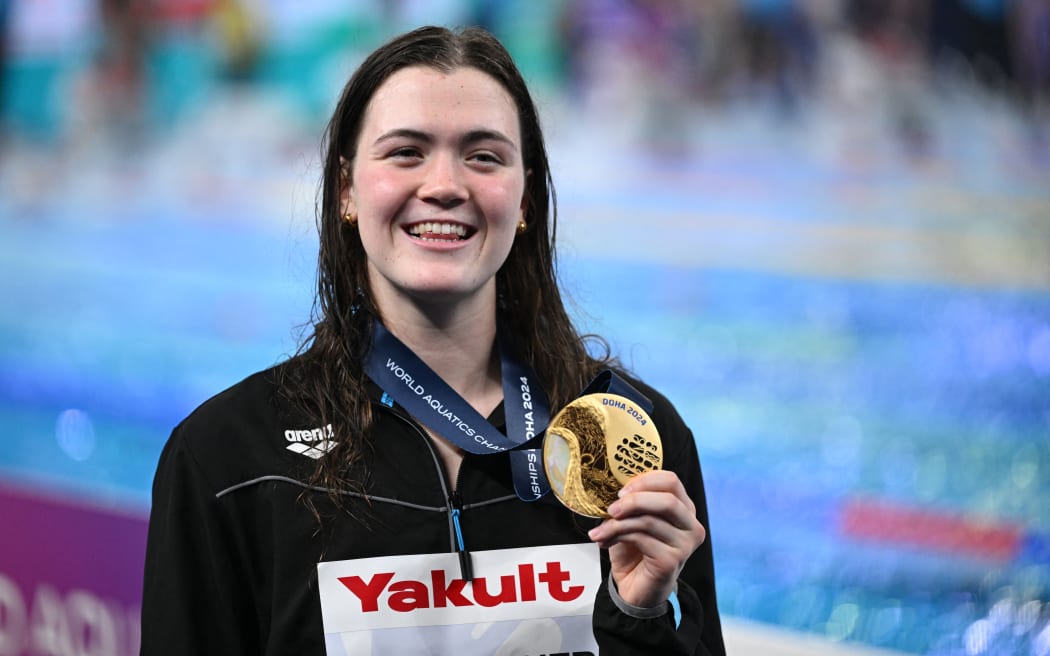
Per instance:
(407,595)
(426,590)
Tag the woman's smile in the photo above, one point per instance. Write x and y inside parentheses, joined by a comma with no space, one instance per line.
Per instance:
(440,231)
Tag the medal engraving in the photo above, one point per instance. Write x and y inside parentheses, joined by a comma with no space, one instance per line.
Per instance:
(594,446)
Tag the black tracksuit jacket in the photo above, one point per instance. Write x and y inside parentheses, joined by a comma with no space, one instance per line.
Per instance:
(231,563)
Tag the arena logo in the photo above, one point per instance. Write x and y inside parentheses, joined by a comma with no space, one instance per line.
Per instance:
(310,435)
(312,443)
(77,623)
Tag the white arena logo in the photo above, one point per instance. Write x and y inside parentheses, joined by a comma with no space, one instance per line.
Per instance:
(312,443)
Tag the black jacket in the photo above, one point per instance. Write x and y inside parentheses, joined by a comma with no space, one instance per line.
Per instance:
(231,564)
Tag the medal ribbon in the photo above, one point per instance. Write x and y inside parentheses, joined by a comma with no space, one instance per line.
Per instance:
(609,382)
(418,389)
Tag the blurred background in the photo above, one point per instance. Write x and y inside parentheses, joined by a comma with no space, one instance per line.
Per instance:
(821,227)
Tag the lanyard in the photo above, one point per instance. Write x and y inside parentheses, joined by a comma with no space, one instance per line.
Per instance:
(609,382)
(418,389)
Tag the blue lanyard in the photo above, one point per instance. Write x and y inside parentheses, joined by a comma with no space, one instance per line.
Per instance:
(609,382)
(419,390)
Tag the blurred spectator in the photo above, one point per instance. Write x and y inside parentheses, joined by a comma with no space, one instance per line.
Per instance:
(976,30)
(186,12)
(779,50)
(182,59)
(1030,30)
(44,42)
(594,33)
(120,69)
(239,39)
(5,16)
(630,61)
(893,34)
(713,47)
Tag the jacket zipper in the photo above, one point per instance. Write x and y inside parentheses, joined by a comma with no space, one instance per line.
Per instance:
(453,502)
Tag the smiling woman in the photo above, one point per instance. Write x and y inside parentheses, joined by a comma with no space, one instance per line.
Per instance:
(381,491)
(437,184)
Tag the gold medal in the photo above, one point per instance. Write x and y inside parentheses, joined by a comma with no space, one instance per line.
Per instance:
(594,446)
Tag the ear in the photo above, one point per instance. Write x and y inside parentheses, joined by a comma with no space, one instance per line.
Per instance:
(346,195)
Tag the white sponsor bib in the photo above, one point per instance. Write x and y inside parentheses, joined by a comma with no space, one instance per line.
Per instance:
(523,602)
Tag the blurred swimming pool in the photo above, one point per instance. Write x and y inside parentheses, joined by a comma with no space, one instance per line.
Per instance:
(864,359)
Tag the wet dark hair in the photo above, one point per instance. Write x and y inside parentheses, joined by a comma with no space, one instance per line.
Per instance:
(326,381)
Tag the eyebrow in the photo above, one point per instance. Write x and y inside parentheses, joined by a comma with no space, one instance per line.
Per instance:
(473,136)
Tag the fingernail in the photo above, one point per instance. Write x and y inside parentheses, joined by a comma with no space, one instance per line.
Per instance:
(614,508)
(594,533)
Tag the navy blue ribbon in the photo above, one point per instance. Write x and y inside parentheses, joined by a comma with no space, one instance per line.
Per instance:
(418,389)
(609,382)
(527,412)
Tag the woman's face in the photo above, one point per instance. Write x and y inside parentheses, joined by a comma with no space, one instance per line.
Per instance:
(437,184)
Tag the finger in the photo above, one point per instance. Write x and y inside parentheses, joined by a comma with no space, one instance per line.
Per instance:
(685,539)
(659,481)
(663,505)
(658,557)
(662,535)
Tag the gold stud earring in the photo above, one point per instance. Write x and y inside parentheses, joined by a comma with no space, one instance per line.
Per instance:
(522,226)
(350,219)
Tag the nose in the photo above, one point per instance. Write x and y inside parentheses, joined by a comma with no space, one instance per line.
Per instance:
(443,182)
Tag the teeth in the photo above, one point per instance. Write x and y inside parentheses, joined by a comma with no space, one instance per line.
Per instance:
(436,228)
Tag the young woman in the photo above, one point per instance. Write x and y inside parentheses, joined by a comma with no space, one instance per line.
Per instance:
(315,506)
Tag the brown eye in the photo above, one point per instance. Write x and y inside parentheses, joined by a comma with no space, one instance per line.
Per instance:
(405,153)
(485,158)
